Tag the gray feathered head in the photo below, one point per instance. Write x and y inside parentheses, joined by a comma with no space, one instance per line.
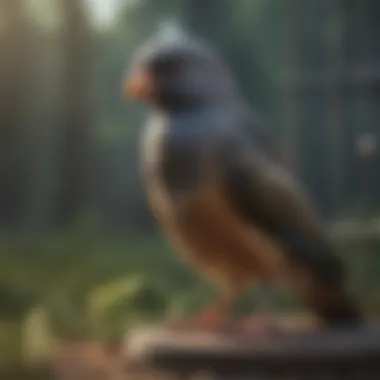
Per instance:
(175,70)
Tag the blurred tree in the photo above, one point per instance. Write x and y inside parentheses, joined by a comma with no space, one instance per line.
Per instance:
(75,116)
(16,64)
(198,13)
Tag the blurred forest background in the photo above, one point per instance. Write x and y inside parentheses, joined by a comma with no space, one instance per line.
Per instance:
(80,255)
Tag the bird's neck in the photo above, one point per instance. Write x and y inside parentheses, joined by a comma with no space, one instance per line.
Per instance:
(199,105)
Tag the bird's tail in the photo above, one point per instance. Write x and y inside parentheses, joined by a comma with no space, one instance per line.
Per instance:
(341,313)
(333,305)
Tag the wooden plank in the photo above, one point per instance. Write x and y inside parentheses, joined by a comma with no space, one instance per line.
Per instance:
(303,352)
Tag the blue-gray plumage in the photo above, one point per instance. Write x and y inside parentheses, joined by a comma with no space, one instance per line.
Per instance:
(217,187)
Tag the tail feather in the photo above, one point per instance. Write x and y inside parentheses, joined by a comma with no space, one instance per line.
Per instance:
(331,304)
(341,313)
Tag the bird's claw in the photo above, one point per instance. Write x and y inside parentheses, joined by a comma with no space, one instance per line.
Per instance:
(260,326)
(211,319)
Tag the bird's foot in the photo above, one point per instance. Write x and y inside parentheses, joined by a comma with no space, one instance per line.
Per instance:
(259,326)
(212,319)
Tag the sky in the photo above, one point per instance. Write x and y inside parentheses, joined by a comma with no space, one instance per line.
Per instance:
(105,10)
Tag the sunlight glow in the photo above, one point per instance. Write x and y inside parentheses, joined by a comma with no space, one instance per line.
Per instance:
(104,11)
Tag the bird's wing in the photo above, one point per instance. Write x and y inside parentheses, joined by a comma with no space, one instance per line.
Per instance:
(262,134)
(268,197)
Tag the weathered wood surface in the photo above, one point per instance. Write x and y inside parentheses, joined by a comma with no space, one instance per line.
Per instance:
(295,353)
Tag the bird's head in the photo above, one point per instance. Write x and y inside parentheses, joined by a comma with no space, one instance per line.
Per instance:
(177,73)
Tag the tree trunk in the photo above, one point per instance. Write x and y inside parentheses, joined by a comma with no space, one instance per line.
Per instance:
(75,110)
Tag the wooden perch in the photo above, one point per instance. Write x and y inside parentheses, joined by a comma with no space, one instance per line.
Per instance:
(294,353)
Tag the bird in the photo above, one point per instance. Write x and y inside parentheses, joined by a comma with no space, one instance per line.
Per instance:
(219,190)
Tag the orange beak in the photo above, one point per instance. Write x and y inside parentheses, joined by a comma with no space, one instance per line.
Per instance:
(139,86)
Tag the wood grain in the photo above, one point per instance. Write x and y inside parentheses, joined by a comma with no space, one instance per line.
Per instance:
(311,351)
